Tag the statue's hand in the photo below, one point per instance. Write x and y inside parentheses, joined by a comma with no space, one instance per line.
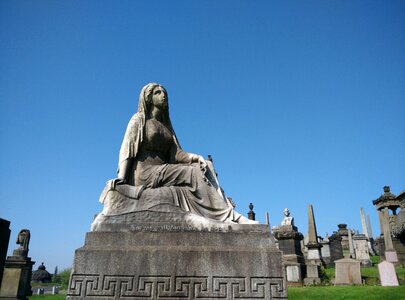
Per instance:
(202,163)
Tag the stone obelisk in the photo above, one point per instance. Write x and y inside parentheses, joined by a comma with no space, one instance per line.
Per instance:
(366,231)
(314,256)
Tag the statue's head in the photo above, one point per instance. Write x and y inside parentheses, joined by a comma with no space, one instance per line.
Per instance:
(286,212)
(152,94)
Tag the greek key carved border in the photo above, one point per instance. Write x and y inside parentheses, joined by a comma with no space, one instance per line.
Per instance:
(175,287)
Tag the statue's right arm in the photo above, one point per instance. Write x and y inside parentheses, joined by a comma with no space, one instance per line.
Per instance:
(123,171)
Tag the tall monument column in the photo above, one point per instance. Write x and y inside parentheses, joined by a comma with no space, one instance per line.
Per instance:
(314,256)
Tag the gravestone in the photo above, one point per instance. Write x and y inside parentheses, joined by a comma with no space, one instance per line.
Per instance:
(55,290)
(344,234)
(16,283)
(167,230)
(347,272)
(325,251)
(387,274)
(289,242)
(336,249)
(361,249)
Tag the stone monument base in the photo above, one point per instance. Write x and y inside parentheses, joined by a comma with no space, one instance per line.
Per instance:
(178,261)
(16,283)
(312,274)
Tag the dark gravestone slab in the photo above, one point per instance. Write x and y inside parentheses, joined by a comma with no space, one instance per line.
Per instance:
(336,250)
(4,240)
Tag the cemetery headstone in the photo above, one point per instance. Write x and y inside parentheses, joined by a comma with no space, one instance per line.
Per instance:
(387,274)
(16,281)
(361,249)
(289,242)
(325,251)
(347,272)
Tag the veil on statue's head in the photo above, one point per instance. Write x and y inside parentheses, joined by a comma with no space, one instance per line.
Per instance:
(145,102)
(134,134)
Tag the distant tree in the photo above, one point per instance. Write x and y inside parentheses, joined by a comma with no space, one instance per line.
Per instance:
(62,277)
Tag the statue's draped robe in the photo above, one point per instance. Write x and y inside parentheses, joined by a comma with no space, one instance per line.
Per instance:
(157,161)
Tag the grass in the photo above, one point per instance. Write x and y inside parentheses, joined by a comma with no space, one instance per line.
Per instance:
(347,292)
(321,292)
(369,275)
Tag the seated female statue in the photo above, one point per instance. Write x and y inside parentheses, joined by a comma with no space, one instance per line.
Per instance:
(153,167)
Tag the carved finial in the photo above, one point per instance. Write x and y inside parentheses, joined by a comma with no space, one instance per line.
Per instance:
(386,189)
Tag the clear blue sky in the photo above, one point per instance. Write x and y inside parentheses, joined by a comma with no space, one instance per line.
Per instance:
(298,102)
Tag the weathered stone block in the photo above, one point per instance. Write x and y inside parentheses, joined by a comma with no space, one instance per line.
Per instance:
(312,276)
(16,279)
(347,272)
(175,262)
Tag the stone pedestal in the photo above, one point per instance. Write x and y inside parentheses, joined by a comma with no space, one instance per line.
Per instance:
(312,274)
(289,242)
(391,256)
(343,232)
(347,272)
(16,282)
(177,261)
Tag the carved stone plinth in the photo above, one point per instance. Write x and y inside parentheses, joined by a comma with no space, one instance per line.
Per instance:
(177,261)
(289,242)
(16,283)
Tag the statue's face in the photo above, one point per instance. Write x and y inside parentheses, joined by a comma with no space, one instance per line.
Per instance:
(286,212)
(159,97)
